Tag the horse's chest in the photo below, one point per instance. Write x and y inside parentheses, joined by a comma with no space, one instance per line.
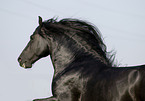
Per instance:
(67,83)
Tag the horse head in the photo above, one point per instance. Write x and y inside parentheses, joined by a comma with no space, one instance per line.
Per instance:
(36,48)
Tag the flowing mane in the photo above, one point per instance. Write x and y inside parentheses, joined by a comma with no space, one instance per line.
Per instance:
(85,27)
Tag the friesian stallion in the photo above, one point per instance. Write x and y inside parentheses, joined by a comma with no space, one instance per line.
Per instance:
(83,70)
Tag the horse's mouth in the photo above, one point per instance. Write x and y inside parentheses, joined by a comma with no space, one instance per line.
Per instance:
(25,64)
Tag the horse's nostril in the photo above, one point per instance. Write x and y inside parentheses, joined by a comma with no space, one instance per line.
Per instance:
(19,59)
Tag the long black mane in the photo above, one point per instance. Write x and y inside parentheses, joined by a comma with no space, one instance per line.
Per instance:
(95,38)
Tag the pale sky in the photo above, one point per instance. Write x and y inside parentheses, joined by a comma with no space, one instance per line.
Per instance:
(121,22)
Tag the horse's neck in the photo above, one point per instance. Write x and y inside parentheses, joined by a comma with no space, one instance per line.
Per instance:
(63,58)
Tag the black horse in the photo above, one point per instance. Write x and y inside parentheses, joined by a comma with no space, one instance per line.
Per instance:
(83,70)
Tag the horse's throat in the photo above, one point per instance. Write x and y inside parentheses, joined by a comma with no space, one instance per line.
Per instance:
(61,58)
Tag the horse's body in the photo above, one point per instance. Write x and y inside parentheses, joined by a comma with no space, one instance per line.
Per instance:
(82,70)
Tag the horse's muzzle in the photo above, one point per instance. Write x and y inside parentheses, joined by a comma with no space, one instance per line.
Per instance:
(24,63)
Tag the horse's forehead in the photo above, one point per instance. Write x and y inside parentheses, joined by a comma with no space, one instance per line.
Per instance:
(36,31)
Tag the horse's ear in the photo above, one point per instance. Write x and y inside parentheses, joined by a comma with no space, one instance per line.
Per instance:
(40,21)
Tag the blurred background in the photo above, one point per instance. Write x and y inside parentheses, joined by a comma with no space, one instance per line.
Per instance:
(121,22)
